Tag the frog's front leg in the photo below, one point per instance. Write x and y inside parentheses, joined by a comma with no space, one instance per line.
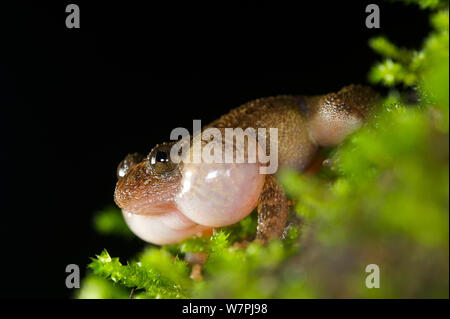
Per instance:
(272,210)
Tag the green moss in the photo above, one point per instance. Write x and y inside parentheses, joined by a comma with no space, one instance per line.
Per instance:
(110,222)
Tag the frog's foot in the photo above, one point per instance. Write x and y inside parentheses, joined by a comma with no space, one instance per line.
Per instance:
(196,260)
(196,272)
(272,211)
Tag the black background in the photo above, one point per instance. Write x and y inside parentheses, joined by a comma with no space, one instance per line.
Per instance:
(74,102)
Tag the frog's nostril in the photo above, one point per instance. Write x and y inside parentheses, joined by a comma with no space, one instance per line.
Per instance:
(122,169)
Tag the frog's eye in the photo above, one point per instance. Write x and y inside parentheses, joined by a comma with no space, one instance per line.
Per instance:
(130,161)
(159,159)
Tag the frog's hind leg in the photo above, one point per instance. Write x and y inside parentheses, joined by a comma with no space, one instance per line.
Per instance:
(336,115)
(272,211)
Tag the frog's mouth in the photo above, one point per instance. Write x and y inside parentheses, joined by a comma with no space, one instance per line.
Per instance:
(148,205)
(165,210)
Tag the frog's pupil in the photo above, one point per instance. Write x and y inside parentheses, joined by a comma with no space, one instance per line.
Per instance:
(161,156)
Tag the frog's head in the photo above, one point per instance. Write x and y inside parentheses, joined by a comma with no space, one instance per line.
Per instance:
(164,202)
(147,184)
(146,190)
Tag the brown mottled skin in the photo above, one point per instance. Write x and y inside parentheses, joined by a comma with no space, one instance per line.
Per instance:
(304,124)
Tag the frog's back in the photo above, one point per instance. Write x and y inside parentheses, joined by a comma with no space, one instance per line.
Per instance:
(286,113)
(304,122)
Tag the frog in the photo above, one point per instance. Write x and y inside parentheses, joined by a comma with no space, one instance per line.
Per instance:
(165,201)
